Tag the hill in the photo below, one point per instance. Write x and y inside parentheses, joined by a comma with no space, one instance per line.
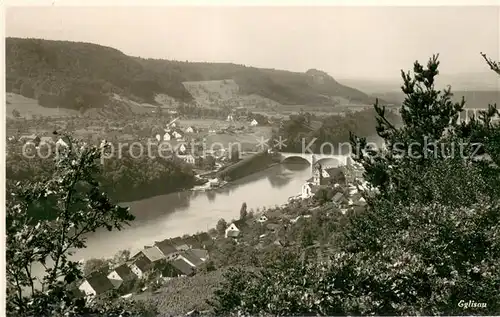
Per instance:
(80,76)
(473,99)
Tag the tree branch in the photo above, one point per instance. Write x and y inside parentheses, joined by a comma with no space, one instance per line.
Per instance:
(495,66)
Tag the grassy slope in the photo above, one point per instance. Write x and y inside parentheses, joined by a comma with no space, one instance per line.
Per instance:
(181,295)
(77,76)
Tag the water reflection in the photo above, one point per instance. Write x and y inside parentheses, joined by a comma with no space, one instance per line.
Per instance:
(211,195)
(295,164)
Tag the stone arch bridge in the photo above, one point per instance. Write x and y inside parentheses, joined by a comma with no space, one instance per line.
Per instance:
(329,160)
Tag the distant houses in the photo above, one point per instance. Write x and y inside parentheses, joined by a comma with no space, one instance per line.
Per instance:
(321,178)
(254,123)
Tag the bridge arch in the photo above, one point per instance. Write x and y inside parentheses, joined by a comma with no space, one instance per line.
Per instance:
(329,162)
(289,158)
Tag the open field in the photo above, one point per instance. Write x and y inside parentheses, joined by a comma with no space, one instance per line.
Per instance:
(217,93)
(28,107)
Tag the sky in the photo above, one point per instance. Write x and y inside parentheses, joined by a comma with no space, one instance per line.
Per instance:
(346,42)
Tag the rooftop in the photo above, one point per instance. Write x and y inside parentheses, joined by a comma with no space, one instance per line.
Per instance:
(99,282)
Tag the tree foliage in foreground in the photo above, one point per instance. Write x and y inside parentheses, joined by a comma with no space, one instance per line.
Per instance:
(429,239)
(77,205)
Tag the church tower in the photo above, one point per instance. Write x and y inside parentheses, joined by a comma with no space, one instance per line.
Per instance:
(317,174)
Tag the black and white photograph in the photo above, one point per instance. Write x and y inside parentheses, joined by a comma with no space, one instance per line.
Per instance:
(251,159)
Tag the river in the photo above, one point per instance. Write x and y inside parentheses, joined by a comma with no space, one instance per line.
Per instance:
(172,215)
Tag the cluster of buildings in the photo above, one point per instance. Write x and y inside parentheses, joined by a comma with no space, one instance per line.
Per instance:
(347,197)
(171,257)
(173,132)
(38,140)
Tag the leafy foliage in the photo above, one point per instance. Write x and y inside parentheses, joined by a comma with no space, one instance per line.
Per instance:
(428,239)
(78,206)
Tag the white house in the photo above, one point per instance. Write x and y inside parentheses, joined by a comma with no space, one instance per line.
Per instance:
(121,274)
(262,219)
(176,135)
(158,137)
(166,137)
(95,284)
(61,142)
(190,258)
(254,123)
(308,190)
(189,130)
(173,124)
(145,260)
(230,118)
(232,231)
(182,148)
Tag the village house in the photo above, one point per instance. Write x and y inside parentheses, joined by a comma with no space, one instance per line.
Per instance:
(190,130)
(200,253)
(168,250)
(61,142)
(190,258)
(322,177)
(166,136)
(120,275)
(179,244)
(140,266)
(262,219)
(230,118)
(177,135)
(181,149)
(192,242)
(308,190)
(254,123)
(177,268)
(234,229)
(96,284)
(145,260)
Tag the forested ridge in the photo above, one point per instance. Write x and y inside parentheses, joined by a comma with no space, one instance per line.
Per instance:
(79,76)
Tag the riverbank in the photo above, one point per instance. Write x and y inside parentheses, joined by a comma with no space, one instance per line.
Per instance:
(255,163)
(188,212)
